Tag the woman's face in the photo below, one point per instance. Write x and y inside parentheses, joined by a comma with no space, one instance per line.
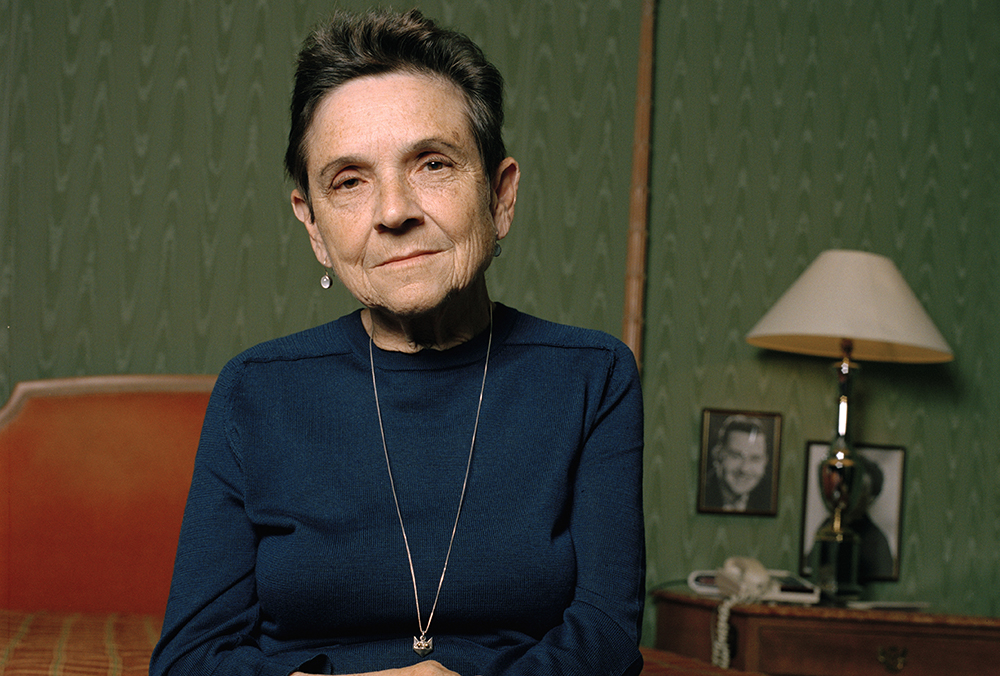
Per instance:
(401,207)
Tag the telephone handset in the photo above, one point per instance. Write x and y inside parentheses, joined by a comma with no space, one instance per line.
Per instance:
(744,577)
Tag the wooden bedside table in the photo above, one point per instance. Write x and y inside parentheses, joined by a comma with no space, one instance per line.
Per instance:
(786,640)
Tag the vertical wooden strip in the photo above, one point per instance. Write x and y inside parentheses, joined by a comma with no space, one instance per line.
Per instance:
(635,263)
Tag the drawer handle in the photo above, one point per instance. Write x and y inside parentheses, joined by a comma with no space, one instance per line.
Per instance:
(892,658)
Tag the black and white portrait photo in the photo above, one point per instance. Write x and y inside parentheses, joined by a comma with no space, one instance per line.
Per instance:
(739,462)
(876,519)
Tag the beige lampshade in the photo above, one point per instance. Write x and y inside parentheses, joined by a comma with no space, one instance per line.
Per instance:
(857,295)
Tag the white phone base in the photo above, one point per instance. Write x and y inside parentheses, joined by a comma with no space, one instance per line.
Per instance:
(790,588)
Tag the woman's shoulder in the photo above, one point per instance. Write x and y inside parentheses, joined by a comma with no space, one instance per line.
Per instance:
(529,329)
(325,340)
(590,351)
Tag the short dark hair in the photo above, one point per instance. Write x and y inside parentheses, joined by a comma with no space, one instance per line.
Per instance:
(381,41)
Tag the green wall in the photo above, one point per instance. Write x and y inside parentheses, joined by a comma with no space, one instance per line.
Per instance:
(782,130)
(145,226)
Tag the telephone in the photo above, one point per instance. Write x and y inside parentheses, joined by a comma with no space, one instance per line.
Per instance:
(743,576)
(744,580)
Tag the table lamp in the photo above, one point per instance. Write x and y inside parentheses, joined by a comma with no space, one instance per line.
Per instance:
(848,305)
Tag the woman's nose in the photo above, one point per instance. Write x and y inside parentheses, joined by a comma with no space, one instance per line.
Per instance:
(398,205)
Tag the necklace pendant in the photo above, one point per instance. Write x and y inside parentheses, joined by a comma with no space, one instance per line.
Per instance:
(423,646)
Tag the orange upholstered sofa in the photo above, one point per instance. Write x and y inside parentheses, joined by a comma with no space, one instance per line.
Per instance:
(94,473)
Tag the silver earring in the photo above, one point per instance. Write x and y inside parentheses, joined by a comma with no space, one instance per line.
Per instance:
(497,250)
(326,281)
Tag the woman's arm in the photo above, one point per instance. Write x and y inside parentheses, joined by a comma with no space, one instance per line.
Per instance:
(212,611)
(600,629)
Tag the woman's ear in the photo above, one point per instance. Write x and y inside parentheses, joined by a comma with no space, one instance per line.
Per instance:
(303,212)
(505,195)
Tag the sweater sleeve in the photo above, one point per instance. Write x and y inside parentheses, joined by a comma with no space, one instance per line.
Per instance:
(600,630)
(212,608)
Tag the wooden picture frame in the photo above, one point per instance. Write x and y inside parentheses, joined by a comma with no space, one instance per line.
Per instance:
(740,479)
(883,528)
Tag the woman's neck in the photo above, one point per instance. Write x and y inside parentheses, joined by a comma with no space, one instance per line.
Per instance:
(452,324)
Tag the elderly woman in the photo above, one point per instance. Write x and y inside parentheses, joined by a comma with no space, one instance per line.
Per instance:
(436,483)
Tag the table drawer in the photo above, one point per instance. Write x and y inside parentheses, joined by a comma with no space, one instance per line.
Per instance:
(828,641)
(858,651)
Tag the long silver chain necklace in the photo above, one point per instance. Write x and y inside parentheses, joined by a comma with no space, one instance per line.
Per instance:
(423,645)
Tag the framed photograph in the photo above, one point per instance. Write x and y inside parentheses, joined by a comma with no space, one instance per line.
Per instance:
(739,462)
(880,525)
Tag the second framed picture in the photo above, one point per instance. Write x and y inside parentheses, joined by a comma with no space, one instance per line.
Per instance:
(739,462)
(878,521)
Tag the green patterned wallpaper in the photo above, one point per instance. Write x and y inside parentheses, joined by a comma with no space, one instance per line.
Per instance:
(146,218)
(784,129)
(145,226)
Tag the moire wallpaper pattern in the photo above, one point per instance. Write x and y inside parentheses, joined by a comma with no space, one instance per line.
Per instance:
(145,226)
(784,129)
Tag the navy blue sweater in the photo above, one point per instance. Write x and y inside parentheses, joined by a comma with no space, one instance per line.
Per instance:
(291,555)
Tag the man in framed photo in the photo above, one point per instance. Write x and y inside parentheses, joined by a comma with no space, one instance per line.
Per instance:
(739,476)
